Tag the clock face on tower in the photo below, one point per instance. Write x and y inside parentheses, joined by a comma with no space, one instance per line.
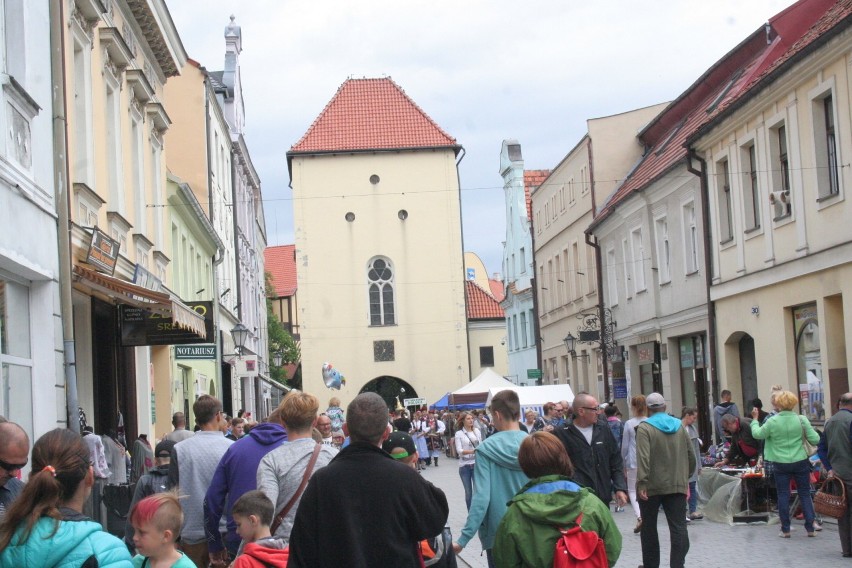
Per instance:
(383,350)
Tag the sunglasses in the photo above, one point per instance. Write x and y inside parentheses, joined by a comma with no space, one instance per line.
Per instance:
(589,408)
(10,467)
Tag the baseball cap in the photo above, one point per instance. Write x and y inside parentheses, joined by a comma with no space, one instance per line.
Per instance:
(655,400)
(402,440)
(164,449)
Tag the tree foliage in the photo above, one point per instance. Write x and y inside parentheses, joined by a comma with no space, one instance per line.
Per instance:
(280,341)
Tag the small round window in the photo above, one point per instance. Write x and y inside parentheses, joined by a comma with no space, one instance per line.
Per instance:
(350,216)
(374,179)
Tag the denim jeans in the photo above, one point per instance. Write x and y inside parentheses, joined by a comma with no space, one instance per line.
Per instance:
(466,474)
(674,504)
(693,496)
(801,472)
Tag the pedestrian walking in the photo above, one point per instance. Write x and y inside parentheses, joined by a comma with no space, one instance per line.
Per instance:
(14,453)
(628,452)
(156,522)
(665,460)
(467,440)
(46,522)
(688,416)
(835,452)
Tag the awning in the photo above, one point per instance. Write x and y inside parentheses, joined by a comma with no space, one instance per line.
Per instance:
(128,293)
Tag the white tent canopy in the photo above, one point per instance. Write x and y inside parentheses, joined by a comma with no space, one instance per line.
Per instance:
(486,380)
(535,397)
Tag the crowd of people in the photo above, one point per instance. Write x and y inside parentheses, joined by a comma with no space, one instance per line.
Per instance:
(345,488)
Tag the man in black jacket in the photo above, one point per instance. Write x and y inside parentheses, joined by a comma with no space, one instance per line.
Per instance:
(594,451)
(364,509)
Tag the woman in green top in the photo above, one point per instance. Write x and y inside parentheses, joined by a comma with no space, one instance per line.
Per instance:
(784,447)
(528,532)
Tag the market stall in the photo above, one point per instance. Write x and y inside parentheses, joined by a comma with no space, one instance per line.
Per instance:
(535,397)
(476,391)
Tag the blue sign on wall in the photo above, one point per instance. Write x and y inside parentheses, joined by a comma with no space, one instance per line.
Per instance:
(471,274)
(619,388)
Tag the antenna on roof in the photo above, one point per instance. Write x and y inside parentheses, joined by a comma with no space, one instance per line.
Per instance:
(768,29)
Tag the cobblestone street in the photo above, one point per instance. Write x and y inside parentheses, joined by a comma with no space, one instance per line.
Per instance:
(712,545)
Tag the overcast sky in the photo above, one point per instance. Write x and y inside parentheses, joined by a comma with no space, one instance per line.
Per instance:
(484,70)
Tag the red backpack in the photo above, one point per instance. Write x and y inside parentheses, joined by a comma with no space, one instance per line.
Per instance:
(579,549)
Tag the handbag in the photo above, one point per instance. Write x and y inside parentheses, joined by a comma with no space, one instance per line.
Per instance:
(310,468)
(828,502)
(810,449)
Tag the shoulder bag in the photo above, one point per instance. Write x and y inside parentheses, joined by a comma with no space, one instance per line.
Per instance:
(308,470)
(810,449)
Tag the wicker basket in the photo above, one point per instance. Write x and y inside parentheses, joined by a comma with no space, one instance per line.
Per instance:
(831,502)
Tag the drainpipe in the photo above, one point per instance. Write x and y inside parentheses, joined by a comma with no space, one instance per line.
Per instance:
(459,159)
(221,252)
(708,273)
(598,276)
(61,177)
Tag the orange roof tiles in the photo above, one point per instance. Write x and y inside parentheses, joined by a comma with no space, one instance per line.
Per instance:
(497,289)
(532,180)
(480,304)
(281,263)
(728,80)
(372,114)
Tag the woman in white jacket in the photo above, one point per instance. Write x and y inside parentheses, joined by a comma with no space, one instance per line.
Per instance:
(639,413)
(467,439)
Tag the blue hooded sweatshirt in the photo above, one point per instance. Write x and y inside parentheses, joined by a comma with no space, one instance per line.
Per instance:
(236,475)
(498,477)
(665,423)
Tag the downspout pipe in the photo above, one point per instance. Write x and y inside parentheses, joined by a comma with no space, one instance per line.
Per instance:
(459,157)
(598,275)
(708,273)
(61,177)
(217,260)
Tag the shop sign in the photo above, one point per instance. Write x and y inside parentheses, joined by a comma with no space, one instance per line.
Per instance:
(414,402)
(246,366)
(103,252)
(142,327)
(619,388)
(534,373)
(195,352)
(144,278)
(646,353)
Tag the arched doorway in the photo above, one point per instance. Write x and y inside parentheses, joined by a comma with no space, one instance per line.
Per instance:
(748,372)
(389,388)
(809,363)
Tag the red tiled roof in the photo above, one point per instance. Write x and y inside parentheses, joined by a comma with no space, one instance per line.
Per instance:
(372,114)
(281,263)
(796,28)
(532,180)
(727,80)
(480,304)
(497,289)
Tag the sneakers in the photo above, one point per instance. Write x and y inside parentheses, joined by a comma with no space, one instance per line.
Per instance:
(695,516)
(688,519)
(638,526)
(619,509)
(783,534)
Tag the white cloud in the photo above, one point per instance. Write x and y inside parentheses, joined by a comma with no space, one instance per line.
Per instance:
(484,70)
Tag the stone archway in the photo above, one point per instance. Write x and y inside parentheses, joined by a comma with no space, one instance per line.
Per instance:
(389,388)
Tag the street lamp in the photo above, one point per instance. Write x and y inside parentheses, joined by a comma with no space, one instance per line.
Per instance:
(240,334)
(571,343)
(277,357)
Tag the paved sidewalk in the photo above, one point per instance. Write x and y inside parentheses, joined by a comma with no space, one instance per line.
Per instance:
(712,545)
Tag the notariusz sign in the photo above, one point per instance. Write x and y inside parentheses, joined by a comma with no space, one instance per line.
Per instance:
(195,351)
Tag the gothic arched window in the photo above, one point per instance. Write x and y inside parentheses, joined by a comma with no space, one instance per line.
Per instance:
(380,279)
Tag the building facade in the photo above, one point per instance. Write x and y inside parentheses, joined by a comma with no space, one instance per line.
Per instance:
(379,247)
(118,56)
(518,270)
(566,264)
(32,385)
(773,150)
(486,329)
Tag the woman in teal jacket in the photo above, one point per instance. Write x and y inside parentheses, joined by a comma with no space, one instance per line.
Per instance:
(784,447)
(528,532)
(45,525)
